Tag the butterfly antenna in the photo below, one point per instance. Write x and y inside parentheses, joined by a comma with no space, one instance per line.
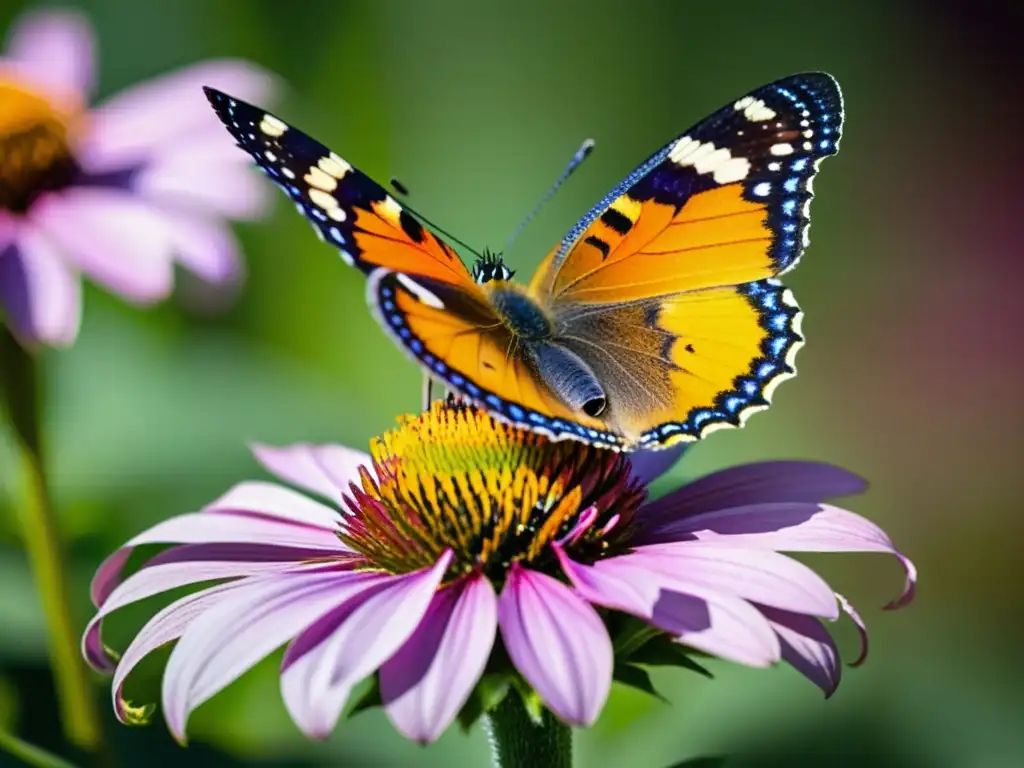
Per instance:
(401,189)
(581,154)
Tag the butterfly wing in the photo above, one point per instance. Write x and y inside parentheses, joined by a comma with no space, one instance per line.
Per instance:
(684,253)
(459,339)
(419,290)
(347,208)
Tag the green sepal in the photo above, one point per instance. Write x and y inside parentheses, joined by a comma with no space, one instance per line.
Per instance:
(531,700)
(638,678)
(663,651)
(369,699)
(490,691)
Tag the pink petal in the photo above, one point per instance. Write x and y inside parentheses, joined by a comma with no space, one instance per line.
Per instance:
(146,119)
(205,246)
(862,629)
(717,623)
(167,625)
(748,485)
(794,528)
(56,47)
(618,582)
(227,640)
(276,501)
(117,240)
(190,183)
(558,643)
(807,645)
(426,683)
(321,666)
(39,293)
(323,469)
(720,625)
(184,565)
(762,576)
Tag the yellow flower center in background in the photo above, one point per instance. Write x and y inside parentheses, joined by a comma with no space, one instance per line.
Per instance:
(455,478)
(35,154)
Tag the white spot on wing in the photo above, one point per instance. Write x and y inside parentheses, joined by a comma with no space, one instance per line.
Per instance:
(321,180)
(782,148)
(753,109)
(334,166)
(271,126)
(704,158)
(422,294)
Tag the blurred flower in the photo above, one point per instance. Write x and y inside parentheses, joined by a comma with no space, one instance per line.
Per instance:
(457,527)
(119,192)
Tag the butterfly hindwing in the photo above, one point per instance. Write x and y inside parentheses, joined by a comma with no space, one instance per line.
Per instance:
(461,341)
(347,209)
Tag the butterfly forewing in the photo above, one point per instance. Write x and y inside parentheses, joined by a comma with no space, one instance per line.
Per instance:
(349,210)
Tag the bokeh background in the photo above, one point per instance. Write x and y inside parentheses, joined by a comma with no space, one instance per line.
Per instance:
(912,373)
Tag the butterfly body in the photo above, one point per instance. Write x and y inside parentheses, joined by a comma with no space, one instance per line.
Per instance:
(658,318)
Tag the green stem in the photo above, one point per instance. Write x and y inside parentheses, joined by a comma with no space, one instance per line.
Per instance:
(19,385)
(29,753)
(519,742)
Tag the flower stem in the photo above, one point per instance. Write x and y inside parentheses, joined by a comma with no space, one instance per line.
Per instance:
(519,742)
(29,753)
(19,389)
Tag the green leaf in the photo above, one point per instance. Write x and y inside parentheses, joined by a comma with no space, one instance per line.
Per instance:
(664,652)
(629,633)
(638,678)
(489,692)
(700,762)
(371,698)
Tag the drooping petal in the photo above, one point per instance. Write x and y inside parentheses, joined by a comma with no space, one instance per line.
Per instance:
(190,564)
(862,629)
(558,643)
(760,575)
(648,466)
(113,237)
(789,528)
(39,293)
(167,625)
(808,646)
(720,624)
(209,529)
(56,47)
(323,664)
(425,684)
(152,118)
(276,501)
(323,469)
(228,639)
(764,482)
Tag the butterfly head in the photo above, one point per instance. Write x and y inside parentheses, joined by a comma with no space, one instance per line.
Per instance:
(490,266)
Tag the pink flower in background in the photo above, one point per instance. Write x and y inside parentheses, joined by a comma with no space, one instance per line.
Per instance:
(119,192)
(459,530)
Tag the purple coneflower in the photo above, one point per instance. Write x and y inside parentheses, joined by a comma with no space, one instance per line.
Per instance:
(462,545)
(113,192)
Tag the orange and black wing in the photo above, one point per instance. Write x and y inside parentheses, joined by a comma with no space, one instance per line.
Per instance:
(680,259)
(460,340)
(346,207)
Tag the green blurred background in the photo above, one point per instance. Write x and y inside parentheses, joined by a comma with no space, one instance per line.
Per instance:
(911,376)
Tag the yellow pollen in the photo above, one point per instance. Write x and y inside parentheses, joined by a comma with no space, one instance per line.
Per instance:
(35,137)
(455,478)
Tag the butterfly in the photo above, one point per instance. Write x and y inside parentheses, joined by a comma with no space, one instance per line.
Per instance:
(657,319)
